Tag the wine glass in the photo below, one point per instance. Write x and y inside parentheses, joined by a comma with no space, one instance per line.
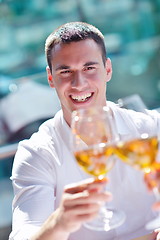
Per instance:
(142,151)
(93,143)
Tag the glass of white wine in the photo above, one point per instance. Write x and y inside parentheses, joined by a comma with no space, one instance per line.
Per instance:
(93,143)
(142,151)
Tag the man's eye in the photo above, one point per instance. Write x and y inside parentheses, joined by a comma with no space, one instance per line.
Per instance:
(66,73)
(89,68)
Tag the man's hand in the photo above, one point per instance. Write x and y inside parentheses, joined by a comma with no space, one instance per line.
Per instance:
(157,231)
(80,203)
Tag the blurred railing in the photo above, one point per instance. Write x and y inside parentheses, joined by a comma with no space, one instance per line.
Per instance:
(8,150)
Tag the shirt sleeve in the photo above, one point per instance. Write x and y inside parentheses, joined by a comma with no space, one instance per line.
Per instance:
(156,116)
(33,178)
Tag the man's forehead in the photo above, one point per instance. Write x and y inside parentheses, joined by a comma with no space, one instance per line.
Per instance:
(85,42)
(81,53)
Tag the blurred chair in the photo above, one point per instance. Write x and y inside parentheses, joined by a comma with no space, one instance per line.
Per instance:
(25,109)
(26,131)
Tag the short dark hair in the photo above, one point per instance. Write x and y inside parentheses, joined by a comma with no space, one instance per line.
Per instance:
(74,32)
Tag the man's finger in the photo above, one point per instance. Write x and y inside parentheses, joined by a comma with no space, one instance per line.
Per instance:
(87,184)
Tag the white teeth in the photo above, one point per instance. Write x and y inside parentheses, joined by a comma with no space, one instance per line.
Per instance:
(81,98)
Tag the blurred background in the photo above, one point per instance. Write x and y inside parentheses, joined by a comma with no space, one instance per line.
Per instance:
(132,37)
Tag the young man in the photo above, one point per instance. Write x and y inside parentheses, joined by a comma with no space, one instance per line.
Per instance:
(45,206)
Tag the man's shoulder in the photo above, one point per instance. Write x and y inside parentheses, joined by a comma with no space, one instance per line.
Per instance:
(126,113)
(131,120)
(42,139)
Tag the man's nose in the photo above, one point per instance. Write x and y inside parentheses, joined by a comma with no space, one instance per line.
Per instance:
(79,81)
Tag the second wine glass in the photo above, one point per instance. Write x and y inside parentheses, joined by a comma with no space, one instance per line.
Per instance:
(93,143)
(142,151)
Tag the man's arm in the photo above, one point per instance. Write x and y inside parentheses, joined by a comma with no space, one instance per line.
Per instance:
(80,203)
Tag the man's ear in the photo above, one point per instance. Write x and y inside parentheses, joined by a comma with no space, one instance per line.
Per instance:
(108,69)
(49,76)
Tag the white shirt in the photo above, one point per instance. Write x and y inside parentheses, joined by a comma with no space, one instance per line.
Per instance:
(44,164)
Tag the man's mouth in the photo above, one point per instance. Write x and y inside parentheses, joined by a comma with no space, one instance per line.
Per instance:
(81,98)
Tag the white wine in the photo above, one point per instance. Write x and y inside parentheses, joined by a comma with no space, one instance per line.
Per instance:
(140,153)
(96,160)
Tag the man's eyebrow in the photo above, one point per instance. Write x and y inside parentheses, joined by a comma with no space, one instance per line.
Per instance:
(90,63)
(61,67)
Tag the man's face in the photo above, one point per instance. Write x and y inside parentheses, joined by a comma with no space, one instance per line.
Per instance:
(79,75)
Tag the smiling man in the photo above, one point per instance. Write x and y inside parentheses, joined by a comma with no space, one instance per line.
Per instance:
(53,197)
(78,71)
